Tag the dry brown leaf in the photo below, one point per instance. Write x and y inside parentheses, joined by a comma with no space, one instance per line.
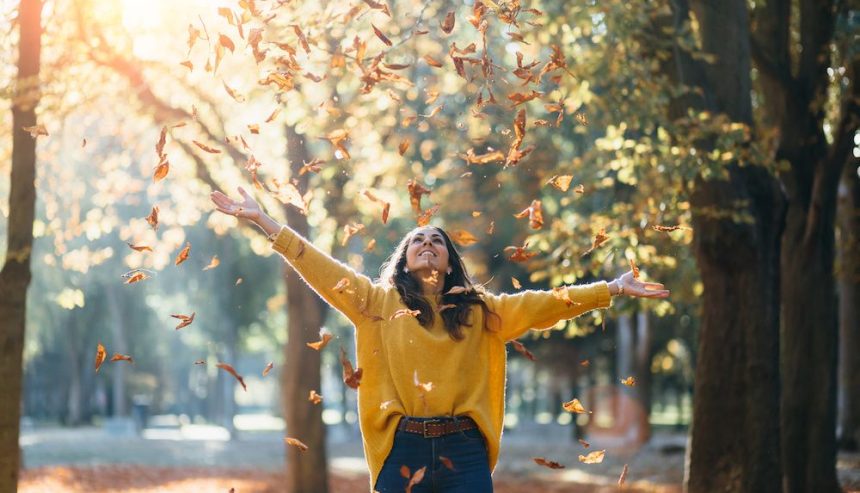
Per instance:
(183,254)
(584,443)
(518,346)
(575,407)
(595,457)
(448,23)
(325,337)
(463,237)
(535,214)
(206,148)
(352,378)
(186,320)
(314,397)
(547,463)
(213,263)
(629,381)
(101,354)
(561,182)
(121,357)
(268,368)
(152,218)
(139,248)
(623,476)
(229,369)
(516,283)
(134,276)
(295,442)
(599,239)
(382,37)
(36,130)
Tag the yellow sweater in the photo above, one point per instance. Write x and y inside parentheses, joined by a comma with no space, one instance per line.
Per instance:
(468,376)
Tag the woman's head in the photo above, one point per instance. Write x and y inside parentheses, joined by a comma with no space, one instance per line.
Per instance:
(426,255)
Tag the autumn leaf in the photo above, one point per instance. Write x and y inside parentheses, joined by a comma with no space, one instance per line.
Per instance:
(296,443)
(561,293)
(519,98)
(386,206)
(432,61)
(206,148)
(519,253)
(325,337)
(302,39)
(183,254)
(403,312)
(534,213)
(313,166)
(273,115)
(121,357)
(348,231)
(575,407)
(447,462)
(404,146)
(268,368)
(139,248)
(382,37)
(579,189)
(226,42)
(547,463)
(629,381)
(421,386)
(423,219)
(186,320)
(314,397)
(623,476)
(585,363)
(516,283)
(448,24)
(561,182)
(486,158)
(134,276)
(581,118)
(160,171)
(36,130)
(666,229)
(337,138)
(416,190)
(229,369)
(463,237)
(518,346)
(446,306)
(341,285)
(213,263)
(595,457)
(152,218)
(599,239)
(584,443)
(416,478)
(352,378)
(101,354)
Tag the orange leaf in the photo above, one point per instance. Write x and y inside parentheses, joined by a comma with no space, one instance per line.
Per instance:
(229,369)
(186,320)
(516,283)
(268,368)
(121,357)
(314,397)
(341,285)
(575,407)
(416,190)
(139,248)
(561,182)
(634,268)
(448,24)
(416,478)
(595,457)
(134,276)
(432,61)
(535,214)
(183,254)
(161,171)
(206,148)
(213,263)
(302,39)
(404,146)
(520,254)
(623,476)
(36,130)
(296,443)
(446,462)
(226,42)
(352,378)
(325,337)
(629,381)
(424,218)
(486,158)
(463,237)
(152,218)
(599,239)
(274,115)
(101,354)
(666,229)
(381,36)
(547,463)
(518,346)
(584,443)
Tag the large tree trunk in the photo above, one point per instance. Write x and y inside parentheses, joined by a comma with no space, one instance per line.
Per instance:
(15,275)
(642,370)
(848,275)
(307,472)
(734,442)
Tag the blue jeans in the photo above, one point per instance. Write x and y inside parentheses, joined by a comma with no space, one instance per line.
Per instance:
(466,451)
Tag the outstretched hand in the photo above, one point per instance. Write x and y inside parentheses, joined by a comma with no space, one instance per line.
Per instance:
(247,209)
(636,288)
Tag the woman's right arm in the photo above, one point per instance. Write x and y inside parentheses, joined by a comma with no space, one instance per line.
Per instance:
(342,287)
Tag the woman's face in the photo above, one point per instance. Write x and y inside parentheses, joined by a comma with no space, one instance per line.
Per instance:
(427,252)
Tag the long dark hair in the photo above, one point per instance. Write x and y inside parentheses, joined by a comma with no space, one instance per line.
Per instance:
(411,294)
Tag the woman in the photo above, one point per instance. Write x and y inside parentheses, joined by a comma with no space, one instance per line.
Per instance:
(432,348)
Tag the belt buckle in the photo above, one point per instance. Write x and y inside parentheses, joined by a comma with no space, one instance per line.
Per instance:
(427,432)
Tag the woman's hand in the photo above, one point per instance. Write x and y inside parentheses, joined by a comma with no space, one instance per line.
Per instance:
(627,284)
(248,209)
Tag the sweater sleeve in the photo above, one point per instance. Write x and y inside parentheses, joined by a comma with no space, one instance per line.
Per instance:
(540,310)
(348,291)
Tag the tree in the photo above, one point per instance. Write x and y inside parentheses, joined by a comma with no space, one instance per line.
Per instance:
(795,83)
(15,275)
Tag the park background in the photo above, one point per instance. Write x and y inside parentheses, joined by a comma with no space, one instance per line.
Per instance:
(713,145)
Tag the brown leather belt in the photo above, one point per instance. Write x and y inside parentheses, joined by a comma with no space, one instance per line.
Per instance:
(434,428)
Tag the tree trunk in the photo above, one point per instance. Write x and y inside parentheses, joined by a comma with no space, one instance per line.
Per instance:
(642,370)
(120,345)
(848,274)
(734,441)
(307,472)
(15,275)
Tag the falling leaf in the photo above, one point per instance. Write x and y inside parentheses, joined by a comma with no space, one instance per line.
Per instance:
(313,166)
(386,206)
(404,471)
(229,369)
(183,254)
(337,138)
(518,346)
(213,263)
(434,111)
(561,182)
(463,237)
(448,24)
(352,378)
(36,130)
(629,381)
(121,357)
(101,354)
(581,118)
(579,189)
(160,171)
(238,281)
(561,293)
(83,143)
(134,276)
(520,254)
(341,285)
(370,245)
(519,98)
(424,218)
(296,443)
(623,476)
(206,148)
(268,368)
(325,337)
(404,146)
(666,229)
(421,386)
(226,42)
(348,231)
(492,228)
(382,37)
(403,312)
(314,397)
(416,478)
(584,443)
(595,457)
(273,115)
(585,363)
(447,462)
(432,61)
(186,320)
(534,213)
(139,248)
(599,239)
(575,407)
(302,39)
(547,463)
(416,190)
(152,218)
(516,283)
(199,362)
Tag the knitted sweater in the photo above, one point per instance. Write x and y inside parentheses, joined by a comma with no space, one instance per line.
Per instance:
(468,376)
